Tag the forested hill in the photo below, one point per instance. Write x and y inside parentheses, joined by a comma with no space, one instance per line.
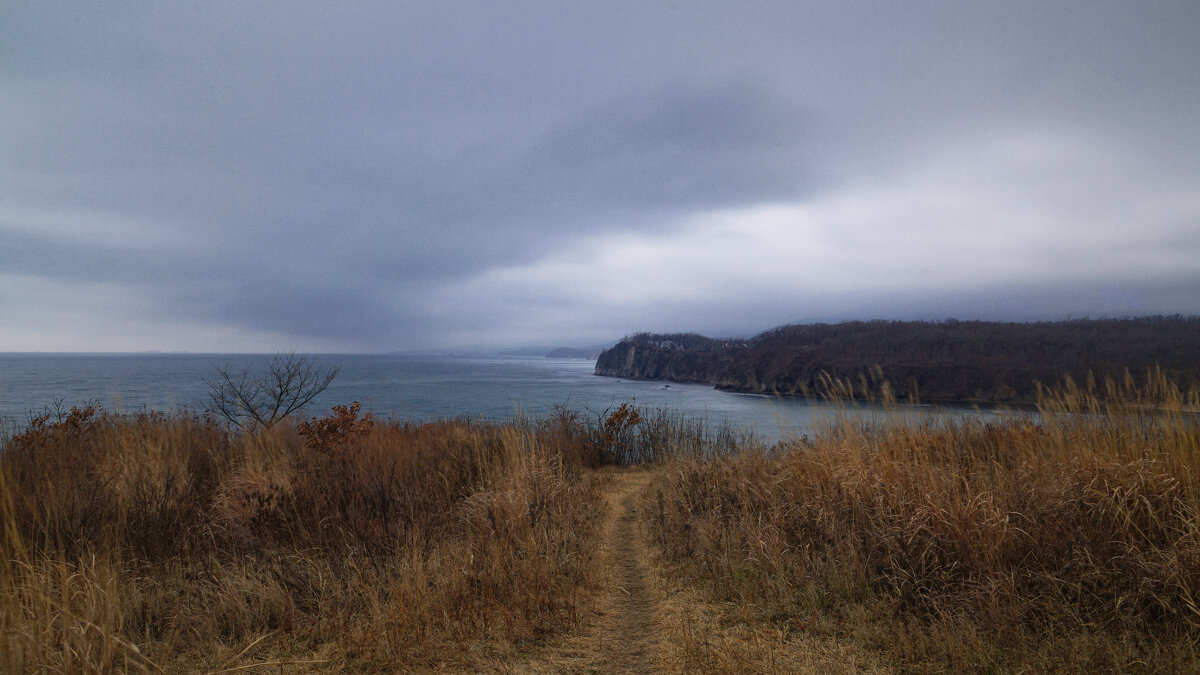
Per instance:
(943,361)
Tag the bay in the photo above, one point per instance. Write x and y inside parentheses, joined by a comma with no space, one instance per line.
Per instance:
(403,388)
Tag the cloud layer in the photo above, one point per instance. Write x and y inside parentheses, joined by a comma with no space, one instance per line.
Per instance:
(427,175)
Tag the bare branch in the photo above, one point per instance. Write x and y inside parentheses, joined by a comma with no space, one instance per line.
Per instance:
(258,402)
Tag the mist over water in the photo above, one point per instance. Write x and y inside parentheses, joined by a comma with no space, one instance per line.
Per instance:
(399,387)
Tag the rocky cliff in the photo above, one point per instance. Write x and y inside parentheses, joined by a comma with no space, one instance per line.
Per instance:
(675,357)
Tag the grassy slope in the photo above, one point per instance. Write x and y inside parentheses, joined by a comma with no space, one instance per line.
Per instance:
(1067,545)
(147,542)
(159,543)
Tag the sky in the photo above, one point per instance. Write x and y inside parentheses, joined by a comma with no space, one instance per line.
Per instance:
(389,176)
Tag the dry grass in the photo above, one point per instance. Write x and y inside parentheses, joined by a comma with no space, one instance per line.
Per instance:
(1069,543)
(151,543)
(157,543)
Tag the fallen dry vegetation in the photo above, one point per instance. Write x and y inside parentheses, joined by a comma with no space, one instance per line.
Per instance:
(160,543)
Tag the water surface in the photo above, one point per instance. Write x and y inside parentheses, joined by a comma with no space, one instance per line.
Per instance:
(401,387)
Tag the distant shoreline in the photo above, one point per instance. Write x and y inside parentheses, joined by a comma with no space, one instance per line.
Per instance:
(950,362)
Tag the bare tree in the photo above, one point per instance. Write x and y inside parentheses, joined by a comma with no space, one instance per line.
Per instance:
(257,401)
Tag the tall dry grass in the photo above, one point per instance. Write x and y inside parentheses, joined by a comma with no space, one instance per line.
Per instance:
(166,543)
(1066,541)
(628,435)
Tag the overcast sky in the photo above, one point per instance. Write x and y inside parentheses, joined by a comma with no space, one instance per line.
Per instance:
(263,176)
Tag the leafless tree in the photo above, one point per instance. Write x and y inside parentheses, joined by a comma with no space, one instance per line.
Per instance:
(257,401)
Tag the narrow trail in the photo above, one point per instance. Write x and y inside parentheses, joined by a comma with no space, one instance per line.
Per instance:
(620,637)
(642,623)
(626,632)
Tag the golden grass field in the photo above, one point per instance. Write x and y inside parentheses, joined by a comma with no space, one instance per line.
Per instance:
(627,541)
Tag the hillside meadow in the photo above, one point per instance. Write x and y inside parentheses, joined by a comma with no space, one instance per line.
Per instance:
(153,542)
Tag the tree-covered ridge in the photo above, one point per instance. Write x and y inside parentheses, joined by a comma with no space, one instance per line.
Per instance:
(694,341)
(938,360)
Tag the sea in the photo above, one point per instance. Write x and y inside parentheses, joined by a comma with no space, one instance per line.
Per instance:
(404,388)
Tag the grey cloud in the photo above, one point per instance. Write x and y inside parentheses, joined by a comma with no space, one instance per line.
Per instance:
(327,168)
(1022,301)
(681,147)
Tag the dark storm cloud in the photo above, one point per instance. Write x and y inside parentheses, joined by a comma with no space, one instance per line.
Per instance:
(680,148)
(383,175)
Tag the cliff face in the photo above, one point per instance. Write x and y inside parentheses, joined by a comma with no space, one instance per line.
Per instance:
(678,357)
(939,361)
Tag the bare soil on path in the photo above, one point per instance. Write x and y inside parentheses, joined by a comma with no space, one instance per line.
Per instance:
(628,630)
(644,621)
(621,636)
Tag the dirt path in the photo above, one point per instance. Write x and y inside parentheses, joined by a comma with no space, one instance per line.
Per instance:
(644,623)
(620,637)
(626,632)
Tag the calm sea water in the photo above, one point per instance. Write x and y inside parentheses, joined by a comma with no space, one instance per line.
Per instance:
(400,387)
